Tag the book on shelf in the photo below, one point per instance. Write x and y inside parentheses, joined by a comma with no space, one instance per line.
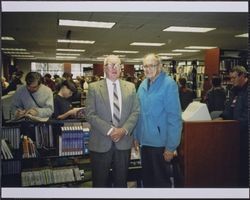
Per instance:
(29,117)
(29,148)
(6,149)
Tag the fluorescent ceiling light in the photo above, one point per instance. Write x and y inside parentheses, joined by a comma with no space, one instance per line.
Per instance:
(7,38)
(72,50)
(242,35)
(67,54)
(37,52)
(186,50)
(66,57)
(199,47)
(169,54)
(121,51)
(15,52)
(91,24)
(147,44)
(23,56)
(76,41)
(166,57)
(13,49)
(188,29)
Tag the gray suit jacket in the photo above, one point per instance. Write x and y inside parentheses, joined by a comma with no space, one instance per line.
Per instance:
(98,113)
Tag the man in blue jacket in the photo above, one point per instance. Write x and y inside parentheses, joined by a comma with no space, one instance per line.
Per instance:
(159,127)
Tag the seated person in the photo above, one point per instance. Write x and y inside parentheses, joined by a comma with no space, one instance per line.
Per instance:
(186,95)
(62,106)
(34,98)
(216,96)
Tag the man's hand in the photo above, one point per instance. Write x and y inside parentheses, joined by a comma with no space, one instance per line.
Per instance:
(117,134)
(19,113)
(32,112)
(136,145)
(168,155)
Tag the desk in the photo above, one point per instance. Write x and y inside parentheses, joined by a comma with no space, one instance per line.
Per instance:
(209,154)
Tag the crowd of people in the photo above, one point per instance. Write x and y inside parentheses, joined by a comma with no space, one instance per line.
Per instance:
(126,112)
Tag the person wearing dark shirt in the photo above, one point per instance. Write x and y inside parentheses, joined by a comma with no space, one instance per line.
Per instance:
(216,96)
(62,106)
(186,95)
(237,109)
(49,82)
(15,81)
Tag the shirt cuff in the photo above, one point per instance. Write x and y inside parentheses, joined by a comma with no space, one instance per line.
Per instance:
(126,131)
(110,130)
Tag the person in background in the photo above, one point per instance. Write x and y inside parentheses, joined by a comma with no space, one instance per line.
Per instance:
(112,109)
(62,106)
(237,109)
(186,95)
(34,98)
(57,80)
(49,82)
(216,96)
(159,127)
(4,85)
(15,81)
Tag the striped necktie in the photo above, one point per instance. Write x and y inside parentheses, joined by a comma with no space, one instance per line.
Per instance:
(116,108)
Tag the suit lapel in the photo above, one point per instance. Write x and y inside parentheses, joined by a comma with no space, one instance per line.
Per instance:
(105,94)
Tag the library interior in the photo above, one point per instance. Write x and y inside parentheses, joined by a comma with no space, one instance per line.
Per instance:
(53,152)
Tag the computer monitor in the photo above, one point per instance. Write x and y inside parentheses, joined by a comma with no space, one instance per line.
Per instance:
(196,111)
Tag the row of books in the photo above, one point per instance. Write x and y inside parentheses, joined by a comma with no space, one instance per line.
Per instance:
(73,140)
(11,167)
(44,136)
(45,176)
(29,148)
(12,134)
(6,150)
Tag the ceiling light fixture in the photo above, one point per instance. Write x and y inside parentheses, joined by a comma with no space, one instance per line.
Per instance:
(22,56)
(169,54)
(71,50)
(13,49)
(147,44)
(15,52)
(121,51)
(90,24)
(200,47)
(67,54)
(188,29)
(76,41)
(186,50)
(66,57)
(166,57)
(7,38)
(242,35)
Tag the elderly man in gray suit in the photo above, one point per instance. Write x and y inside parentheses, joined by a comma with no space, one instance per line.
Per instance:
(112,109)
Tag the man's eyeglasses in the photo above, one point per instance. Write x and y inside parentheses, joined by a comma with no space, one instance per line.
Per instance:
(113,66)
(149,66)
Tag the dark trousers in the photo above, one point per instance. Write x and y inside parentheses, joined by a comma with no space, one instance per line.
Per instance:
(101,163)
(155,170)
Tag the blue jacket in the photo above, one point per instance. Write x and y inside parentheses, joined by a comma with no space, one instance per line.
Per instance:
(160,122)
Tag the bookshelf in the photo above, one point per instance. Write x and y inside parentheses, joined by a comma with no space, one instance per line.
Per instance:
(193,71)
(220,62)
(45,154)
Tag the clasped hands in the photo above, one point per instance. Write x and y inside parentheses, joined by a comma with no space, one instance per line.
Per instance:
(20,113)
(117,133)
